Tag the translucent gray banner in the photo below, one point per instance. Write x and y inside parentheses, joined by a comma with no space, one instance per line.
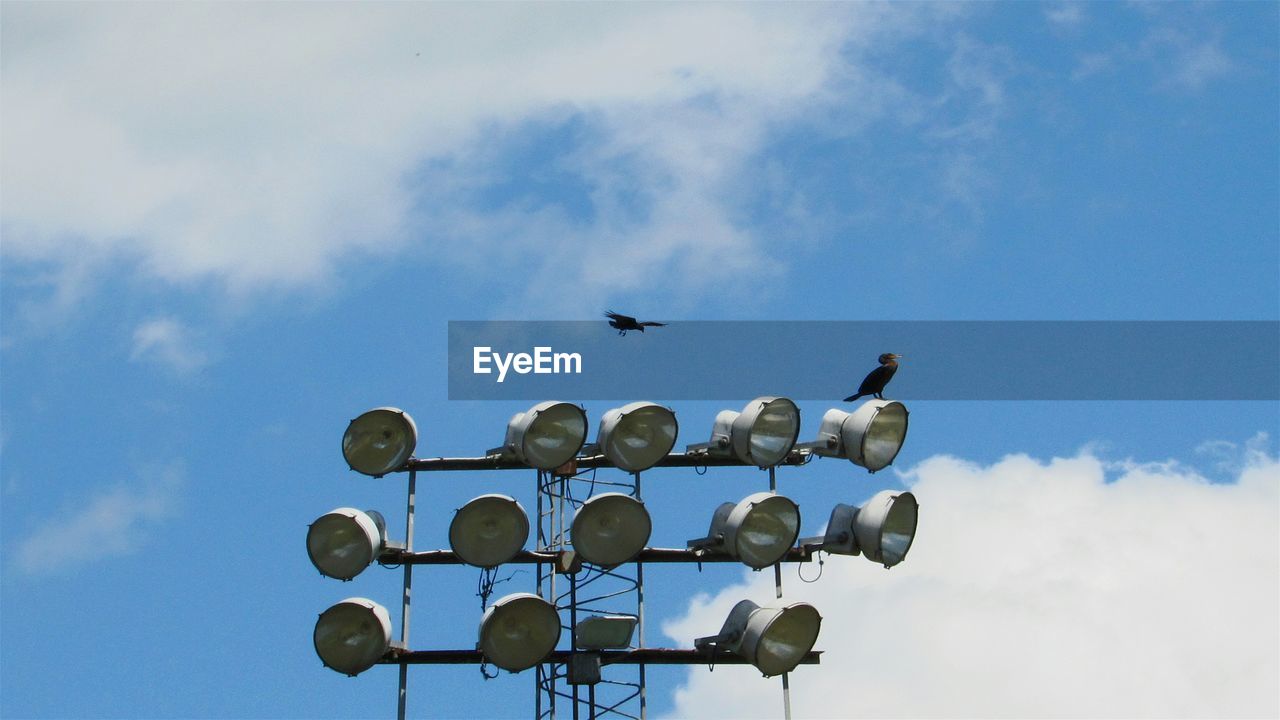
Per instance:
(808,360)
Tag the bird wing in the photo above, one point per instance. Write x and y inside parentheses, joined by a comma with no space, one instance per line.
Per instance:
(650,323)
(876,380)
(619,317)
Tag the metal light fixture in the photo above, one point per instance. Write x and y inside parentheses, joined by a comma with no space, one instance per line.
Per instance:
(518,631)
(636,436)
(882,529)
(762,434)
(773,639)
(344,541)
(758,531)
(870,436)
(605,632)
(546,435)
(353,635)
(610,529)
(379,441)
(489,530)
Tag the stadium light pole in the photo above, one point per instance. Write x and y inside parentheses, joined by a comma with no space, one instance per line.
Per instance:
(609,531)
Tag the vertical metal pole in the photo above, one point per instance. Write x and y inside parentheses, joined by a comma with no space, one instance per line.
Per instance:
(537,676)
(544,677)
(573,636)
(777,588)
(640,615)
(408,592)
(786,679)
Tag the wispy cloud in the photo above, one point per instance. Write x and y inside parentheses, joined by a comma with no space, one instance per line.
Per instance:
(169,343)
(1194,62)
(1182,54)
(111,523)
(277,140)
(1066,14)
(1070,588)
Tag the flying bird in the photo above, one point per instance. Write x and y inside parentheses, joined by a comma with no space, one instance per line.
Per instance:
(623,323)
(875,381)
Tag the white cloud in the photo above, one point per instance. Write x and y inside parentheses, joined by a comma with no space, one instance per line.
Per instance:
(112,523)
(169,343)
(1039,590)
(262,144)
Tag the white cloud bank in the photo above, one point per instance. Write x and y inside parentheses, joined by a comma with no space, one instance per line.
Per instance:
(265,144)
(1038,590)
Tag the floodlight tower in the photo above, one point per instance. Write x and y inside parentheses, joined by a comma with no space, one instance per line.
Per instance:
(591,547)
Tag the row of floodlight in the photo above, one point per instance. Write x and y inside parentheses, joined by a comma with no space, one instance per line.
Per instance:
(521,630)
(612,528)
(638,436)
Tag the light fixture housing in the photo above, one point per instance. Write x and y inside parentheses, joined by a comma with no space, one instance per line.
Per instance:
(758,531)
(774,639)
(546,435)
(344,541)
(489,530)
(870,436)
(610,529)
(519,631)
(605,632)
(763,434)
(882,529)
(637,436)
(379,441)
(351,636)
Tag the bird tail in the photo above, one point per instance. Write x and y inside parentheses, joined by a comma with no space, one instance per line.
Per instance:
(851,398)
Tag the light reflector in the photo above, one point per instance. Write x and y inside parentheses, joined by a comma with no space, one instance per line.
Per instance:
(886,525)
(610,529)
(547,435)
(762,528)
(777,639)
(489,530)
(774,638)
(379,441)
(882,529)
(870,436)
(636,436)
(606,632)
(351,636)
(759,530)
(518,631)
(344,541)
(762,434)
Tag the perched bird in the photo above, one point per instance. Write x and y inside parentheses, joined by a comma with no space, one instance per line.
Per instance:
(623,323)
(875,381)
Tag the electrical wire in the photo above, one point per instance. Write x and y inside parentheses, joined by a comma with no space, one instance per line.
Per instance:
(800,570)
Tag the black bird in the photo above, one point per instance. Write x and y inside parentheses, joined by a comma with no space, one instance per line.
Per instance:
(623,323)
(875,381)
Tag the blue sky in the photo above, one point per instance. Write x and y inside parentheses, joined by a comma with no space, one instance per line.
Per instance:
(227,235)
